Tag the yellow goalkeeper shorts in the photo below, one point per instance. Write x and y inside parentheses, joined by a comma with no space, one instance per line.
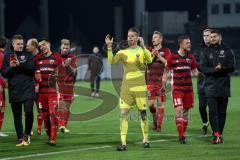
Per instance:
(129,99)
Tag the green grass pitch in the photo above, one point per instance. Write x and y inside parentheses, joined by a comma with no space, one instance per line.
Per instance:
(95,133)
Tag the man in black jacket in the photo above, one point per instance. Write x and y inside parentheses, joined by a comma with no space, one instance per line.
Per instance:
(95,66)
(216,63)
(201,81)
(18,68)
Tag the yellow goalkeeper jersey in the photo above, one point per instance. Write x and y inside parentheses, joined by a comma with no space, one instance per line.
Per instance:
(134,67)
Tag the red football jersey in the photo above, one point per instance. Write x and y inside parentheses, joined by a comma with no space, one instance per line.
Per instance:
(48,67)
(1,57)
(181,67)
(66,77)
(2,81)
(156,68)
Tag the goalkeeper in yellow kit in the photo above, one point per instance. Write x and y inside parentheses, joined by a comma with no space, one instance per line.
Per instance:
(133,89)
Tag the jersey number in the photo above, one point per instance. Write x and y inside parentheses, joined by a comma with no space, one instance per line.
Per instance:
(177,101)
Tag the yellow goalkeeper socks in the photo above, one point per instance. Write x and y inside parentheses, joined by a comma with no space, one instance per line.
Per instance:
(123,130)
(144,126)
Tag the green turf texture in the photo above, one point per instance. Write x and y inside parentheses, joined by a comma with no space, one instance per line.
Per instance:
(103,131)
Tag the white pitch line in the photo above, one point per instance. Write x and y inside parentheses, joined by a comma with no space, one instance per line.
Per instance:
(102,147)
(135,133)
(53,153)
(165,140)
(154,141)
(109,133)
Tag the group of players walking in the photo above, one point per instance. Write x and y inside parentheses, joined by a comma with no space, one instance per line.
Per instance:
(37,74)
(48,79)
(214,61)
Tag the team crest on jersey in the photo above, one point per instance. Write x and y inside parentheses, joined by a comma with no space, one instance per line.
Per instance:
(222,53)
(188,60)
(51,61)
(22,57)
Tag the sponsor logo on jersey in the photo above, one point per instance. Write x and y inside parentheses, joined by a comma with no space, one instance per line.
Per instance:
(183,67)
(46,69)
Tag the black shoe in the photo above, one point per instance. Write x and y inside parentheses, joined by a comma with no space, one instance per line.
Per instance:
(204,130)
(61,128)
(122,147)
(51,143)
(183,140)
(146,145)
(221,139)
(47,142)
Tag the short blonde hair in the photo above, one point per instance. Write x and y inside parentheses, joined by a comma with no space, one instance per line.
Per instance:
(34,42)
(65,42)
(159,33)
(207,30)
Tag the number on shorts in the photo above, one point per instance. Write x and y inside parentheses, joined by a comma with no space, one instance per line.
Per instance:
(39,105)
(177,101)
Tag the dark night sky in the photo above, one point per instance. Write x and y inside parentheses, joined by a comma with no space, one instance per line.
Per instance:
(93,18)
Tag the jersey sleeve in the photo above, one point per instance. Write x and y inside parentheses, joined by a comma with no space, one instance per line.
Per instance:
(36,61)
(147,55)
(169,62)
(58,59)
(194,63)
(167,53)
(114,59)
(1,60)
(3,82)
(74,61)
